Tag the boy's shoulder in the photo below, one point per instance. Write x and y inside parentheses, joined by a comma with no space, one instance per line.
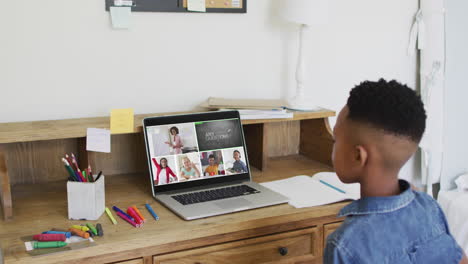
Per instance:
(388,228)
(417,206)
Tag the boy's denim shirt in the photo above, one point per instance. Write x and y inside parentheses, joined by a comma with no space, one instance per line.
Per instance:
(406,228)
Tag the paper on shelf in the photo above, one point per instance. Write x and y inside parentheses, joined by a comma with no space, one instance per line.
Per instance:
(120,16)
(98,140)
(306,191)
(196,5)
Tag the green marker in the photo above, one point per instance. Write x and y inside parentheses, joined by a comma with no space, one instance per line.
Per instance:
(51,244)
(92,228)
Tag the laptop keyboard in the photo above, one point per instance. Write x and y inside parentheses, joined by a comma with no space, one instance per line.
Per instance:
(214,194)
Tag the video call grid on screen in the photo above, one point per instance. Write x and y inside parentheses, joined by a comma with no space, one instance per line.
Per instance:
(196,150)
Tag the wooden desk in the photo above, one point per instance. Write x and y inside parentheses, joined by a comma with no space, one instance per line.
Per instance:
(30,152)
(32,184)
(253,236)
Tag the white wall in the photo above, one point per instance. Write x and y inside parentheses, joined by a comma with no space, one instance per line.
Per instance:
(456,93)
(61,59)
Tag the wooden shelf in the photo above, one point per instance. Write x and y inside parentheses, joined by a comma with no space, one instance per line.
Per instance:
(76,128)
(39,207)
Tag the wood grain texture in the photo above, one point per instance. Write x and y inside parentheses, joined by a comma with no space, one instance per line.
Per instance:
(38,162)
(256,140)
(5,188)
(76,128)
(316,140)
(305,242)
(283,138)
(39,207)
(133,261)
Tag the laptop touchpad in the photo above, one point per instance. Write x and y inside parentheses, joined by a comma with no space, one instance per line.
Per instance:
(234,203)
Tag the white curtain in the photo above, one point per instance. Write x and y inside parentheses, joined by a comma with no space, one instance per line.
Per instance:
(428,36)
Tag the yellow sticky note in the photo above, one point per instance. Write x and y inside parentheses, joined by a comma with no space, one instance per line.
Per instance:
(122,121)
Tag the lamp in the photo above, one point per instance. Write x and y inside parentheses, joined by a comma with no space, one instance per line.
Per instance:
(306,13)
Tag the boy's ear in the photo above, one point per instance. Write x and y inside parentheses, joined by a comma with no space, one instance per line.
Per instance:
(361,155)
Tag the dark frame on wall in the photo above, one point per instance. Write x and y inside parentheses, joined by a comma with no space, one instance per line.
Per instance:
(180,6)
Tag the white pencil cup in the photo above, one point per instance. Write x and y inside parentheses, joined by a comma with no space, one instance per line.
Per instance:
(86,200)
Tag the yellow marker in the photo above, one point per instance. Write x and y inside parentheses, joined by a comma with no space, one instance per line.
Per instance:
(139,214)
(82,228)
(121,121)
(108,212)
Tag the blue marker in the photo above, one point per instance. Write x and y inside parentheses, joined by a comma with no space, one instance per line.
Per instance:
(156,217)
(333,187)
(67,234)
(122,212)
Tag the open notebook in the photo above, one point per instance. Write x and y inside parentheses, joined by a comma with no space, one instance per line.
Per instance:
(306,191)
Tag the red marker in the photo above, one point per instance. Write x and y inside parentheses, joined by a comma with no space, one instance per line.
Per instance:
(49,237)
(135,216)
(127,219)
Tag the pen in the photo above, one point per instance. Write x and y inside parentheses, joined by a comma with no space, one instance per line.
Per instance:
(156,217)
(99,175)
(69,169)
(77,168)
(333,187)
(117,210)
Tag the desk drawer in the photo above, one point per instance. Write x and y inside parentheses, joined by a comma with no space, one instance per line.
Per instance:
(304,243)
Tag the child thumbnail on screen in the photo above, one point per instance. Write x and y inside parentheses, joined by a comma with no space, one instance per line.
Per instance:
(218,134)
(234,160)
(189,166)
(173,139)
(164,170)
(212,163)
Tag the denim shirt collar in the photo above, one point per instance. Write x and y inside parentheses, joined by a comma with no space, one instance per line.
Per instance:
(376,205)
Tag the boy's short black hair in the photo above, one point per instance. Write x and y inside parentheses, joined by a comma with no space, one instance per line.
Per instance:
(390,106)
(211,156)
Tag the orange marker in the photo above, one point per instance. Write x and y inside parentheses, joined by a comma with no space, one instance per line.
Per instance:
(139,214)
(78,232)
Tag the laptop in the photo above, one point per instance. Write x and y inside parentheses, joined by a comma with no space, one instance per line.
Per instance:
(199,167)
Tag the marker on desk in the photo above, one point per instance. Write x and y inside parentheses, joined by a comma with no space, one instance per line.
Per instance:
(117,210)
(135,216)
(82,228)
(109,213)
(49,237)
(156,217)
(67,234)
(79,232)
(331,186)
(139,214)
(100,230)
(55,244)
(92,228)
(130,221)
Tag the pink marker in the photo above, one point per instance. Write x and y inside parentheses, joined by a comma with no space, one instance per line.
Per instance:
(124,217)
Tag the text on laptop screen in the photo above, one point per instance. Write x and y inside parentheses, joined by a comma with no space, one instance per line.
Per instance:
(196,150)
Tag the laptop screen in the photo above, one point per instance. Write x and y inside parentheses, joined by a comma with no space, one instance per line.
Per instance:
(196,149)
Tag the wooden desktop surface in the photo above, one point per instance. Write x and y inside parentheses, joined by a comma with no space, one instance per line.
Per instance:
(42,207)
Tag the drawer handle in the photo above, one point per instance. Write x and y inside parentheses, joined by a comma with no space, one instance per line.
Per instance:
(283,251)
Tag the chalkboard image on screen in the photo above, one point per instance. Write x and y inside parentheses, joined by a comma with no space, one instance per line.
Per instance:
(218,134)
